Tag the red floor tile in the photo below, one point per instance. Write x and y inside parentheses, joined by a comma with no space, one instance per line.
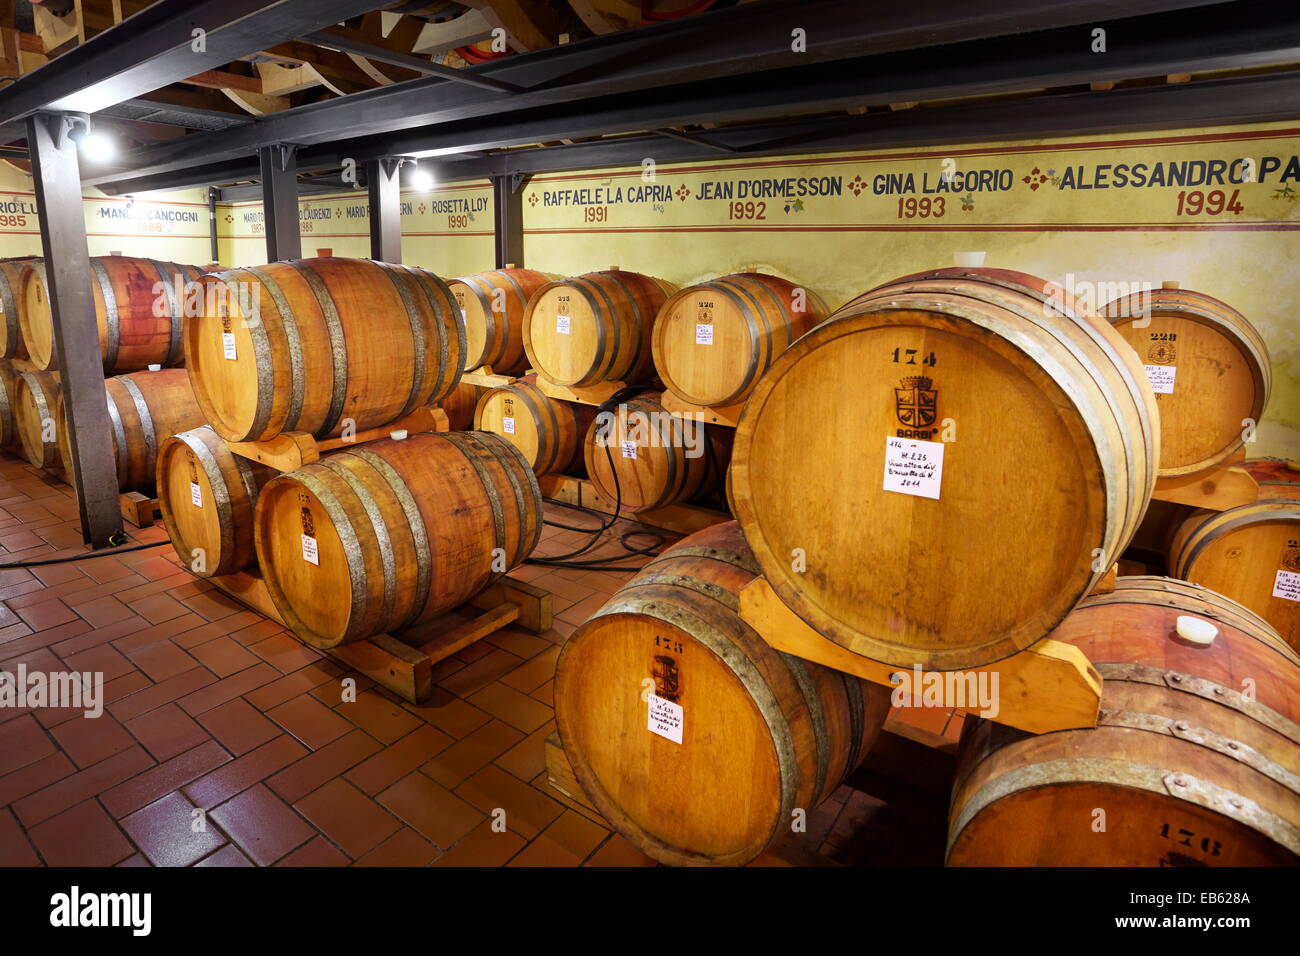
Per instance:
(263,826)
(170,833)
(83,835)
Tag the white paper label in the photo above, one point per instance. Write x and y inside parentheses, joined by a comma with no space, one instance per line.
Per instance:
(913,467)
(629,450)
(196,495)
(509,425)
(309,552)
(1161,378)
(703,334)
(562,324)
(1287,585)
(228,345)
(666,719)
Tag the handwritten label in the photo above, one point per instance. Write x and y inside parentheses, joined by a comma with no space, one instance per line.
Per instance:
(913,467)
(1287,585)
(196,494)
(562,324)
(1162,378)
(703,334)
(228,345)
(666,719)
(629,449)
(309,552)
(509,425)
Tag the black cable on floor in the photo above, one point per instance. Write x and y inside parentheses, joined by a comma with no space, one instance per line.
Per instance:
(66,559)
(606,521)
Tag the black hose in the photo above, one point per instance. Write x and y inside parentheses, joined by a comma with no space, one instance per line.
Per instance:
(65,559)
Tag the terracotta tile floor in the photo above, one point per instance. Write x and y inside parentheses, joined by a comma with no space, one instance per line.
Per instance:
(212,710)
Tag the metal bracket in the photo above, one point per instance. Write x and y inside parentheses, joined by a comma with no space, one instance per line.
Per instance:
(282,154)
(62,126)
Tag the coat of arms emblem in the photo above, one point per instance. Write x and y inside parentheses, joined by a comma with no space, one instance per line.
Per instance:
(917,402)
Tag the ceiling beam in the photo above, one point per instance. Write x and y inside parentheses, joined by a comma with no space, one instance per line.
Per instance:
(1192,105)
(752,39)
(159,46)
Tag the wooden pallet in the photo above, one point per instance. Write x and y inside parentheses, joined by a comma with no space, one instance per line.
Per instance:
(1227,485)
(291,450)
(679,519)
(404,662)
(728,415)
(1047,687)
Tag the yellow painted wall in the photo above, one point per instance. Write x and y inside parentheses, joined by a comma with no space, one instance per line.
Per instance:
(448,230)
(172,226)
(834,223)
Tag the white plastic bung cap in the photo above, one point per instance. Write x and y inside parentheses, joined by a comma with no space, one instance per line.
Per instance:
(1196,630)
(154,368)
(397,435)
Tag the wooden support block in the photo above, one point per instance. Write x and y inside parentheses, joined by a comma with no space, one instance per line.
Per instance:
(680,519)
(1106,583)
(561,488)
(1226,486)
(485,377)
(586,395)
(403,669)
(533,603)
(463,635)
(916,757)
(248,588)
(728,415)
(137,509)
(289,451)
(1050,686)
(559,773)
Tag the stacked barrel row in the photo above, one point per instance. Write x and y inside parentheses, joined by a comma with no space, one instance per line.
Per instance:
(140,308)
(590,332)
(997,444)
(384,534)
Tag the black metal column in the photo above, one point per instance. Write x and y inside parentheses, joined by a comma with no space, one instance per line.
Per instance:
(57,182)
(385,209)
(508,215)
(212,224)
(280,202)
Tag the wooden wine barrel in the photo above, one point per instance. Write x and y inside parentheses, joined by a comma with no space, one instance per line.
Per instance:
(1276,477)
(713,341)
(394,532)
(8,387)
(760,733)
(36,398)
(139,308)
(1251,554)
(207,496)
(659,459)
(1208,366)
(338,341)
(1195,760)
(493,306)
(143,409)
(1020,437)
(548,433)
(595,327)
(11,334)
(460,405)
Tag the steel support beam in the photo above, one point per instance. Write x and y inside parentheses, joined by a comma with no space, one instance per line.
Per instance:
(57,184)
(165,42)
(508,219)
(215,249)
(746,46)
(385,208)
(280,202)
